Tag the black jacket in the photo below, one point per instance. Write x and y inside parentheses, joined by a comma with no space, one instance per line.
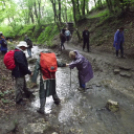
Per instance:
(62,37)
(86,35)
(21,68)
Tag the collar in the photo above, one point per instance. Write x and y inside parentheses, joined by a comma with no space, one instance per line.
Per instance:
(19,49)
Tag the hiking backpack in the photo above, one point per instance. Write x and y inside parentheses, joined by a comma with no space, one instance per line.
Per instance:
(4,44)
(48,63)
(9,59)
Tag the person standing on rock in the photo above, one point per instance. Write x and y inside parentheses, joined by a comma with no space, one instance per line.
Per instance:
(118,41)
(62,38)
(84,67)
(47,65)
(67,34)
(30,45)
(85,36)
(20,71)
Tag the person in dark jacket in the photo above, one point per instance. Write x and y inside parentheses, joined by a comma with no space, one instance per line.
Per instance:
(85,36)
(3,43)
(47,83)
(30,45)
(118,41)
(62,38)
(20,71)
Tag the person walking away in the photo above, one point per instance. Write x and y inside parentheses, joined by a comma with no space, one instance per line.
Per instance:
(30,45)
(85,72)
(19,72)
(85,36)
(3,43)
(47,65)
(63,39)
(67,34)
(118,41)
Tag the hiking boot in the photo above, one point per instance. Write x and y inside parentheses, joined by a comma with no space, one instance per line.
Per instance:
(22,103)
(40,111)
(57,102)
(81,89)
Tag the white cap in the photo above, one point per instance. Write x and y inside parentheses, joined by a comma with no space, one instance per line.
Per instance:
(0,32)
(22,43)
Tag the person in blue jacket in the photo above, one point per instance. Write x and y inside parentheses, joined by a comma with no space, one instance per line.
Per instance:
(20,71)
(118,41)
(3,43)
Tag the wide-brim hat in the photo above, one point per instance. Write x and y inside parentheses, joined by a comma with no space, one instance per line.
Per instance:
(22,43)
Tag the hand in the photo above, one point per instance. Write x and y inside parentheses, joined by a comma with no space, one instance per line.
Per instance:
(31,74)
(67,65)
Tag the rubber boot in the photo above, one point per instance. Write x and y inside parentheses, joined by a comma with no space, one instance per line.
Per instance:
(42,106)
(56,99)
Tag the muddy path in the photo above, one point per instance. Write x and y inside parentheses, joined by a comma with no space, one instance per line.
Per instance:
(80,112)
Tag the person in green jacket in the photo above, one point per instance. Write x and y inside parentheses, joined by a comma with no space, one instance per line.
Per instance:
(47,83)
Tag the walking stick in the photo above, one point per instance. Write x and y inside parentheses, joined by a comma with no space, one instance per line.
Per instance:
(70,79)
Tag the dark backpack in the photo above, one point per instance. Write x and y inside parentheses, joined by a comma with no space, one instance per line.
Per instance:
(29,43)
(4,43)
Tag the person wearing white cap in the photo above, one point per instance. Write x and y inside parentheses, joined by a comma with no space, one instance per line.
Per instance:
(20,71)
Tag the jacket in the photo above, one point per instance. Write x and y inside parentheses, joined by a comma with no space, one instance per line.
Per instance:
(84,67)
(62,38)
(85,35)
(21,68)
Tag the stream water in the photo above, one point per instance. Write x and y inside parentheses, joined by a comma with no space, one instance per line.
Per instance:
(84,112)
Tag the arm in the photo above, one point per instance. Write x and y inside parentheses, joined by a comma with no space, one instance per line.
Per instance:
(20,59)
(75,63)
(36,71)
(60,64)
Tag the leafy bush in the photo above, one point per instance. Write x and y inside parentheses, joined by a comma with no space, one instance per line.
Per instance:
(48,34)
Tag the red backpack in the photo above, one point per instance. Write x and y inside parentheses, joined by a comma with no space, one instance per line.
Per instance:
(48,63)
(9,59)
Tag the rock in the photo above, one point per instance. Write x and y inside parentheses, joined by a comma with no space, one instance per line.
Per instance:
(125,67)
(125,74)
(112,106)
(116,71)
(32,60)
(54,133)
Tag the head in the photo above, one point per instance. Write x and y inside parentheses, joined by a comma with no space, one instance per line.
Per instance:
(25,35)
(121,29)
(72,55)
(22,45)
(86,28)
(0,33)
(66,28)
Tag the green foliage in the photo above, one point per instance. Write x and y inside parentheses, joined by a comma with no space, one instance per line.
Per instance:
(48,34)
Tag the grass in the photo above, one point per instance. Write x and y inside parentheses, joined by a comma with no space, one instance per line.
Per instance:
(98,14)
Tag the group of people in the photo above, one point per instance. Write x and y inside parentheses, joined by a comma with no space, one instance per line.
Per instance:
(65,35)
(47,66)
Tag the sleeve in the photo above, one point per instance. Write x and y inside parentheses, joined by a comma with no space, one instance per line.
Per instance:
(20,60)
(36,71)
(60,64)
(75,63)
(116,37)
(83,34)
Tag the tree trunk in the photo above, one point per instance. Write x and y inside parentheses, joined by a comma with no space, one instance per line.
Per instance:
(35,10)
(83,7)
(59,2)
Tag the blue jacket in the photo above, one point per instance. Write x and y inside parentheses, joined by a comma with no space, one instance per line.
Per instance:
(2,48)
(21,68)
(118,38)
